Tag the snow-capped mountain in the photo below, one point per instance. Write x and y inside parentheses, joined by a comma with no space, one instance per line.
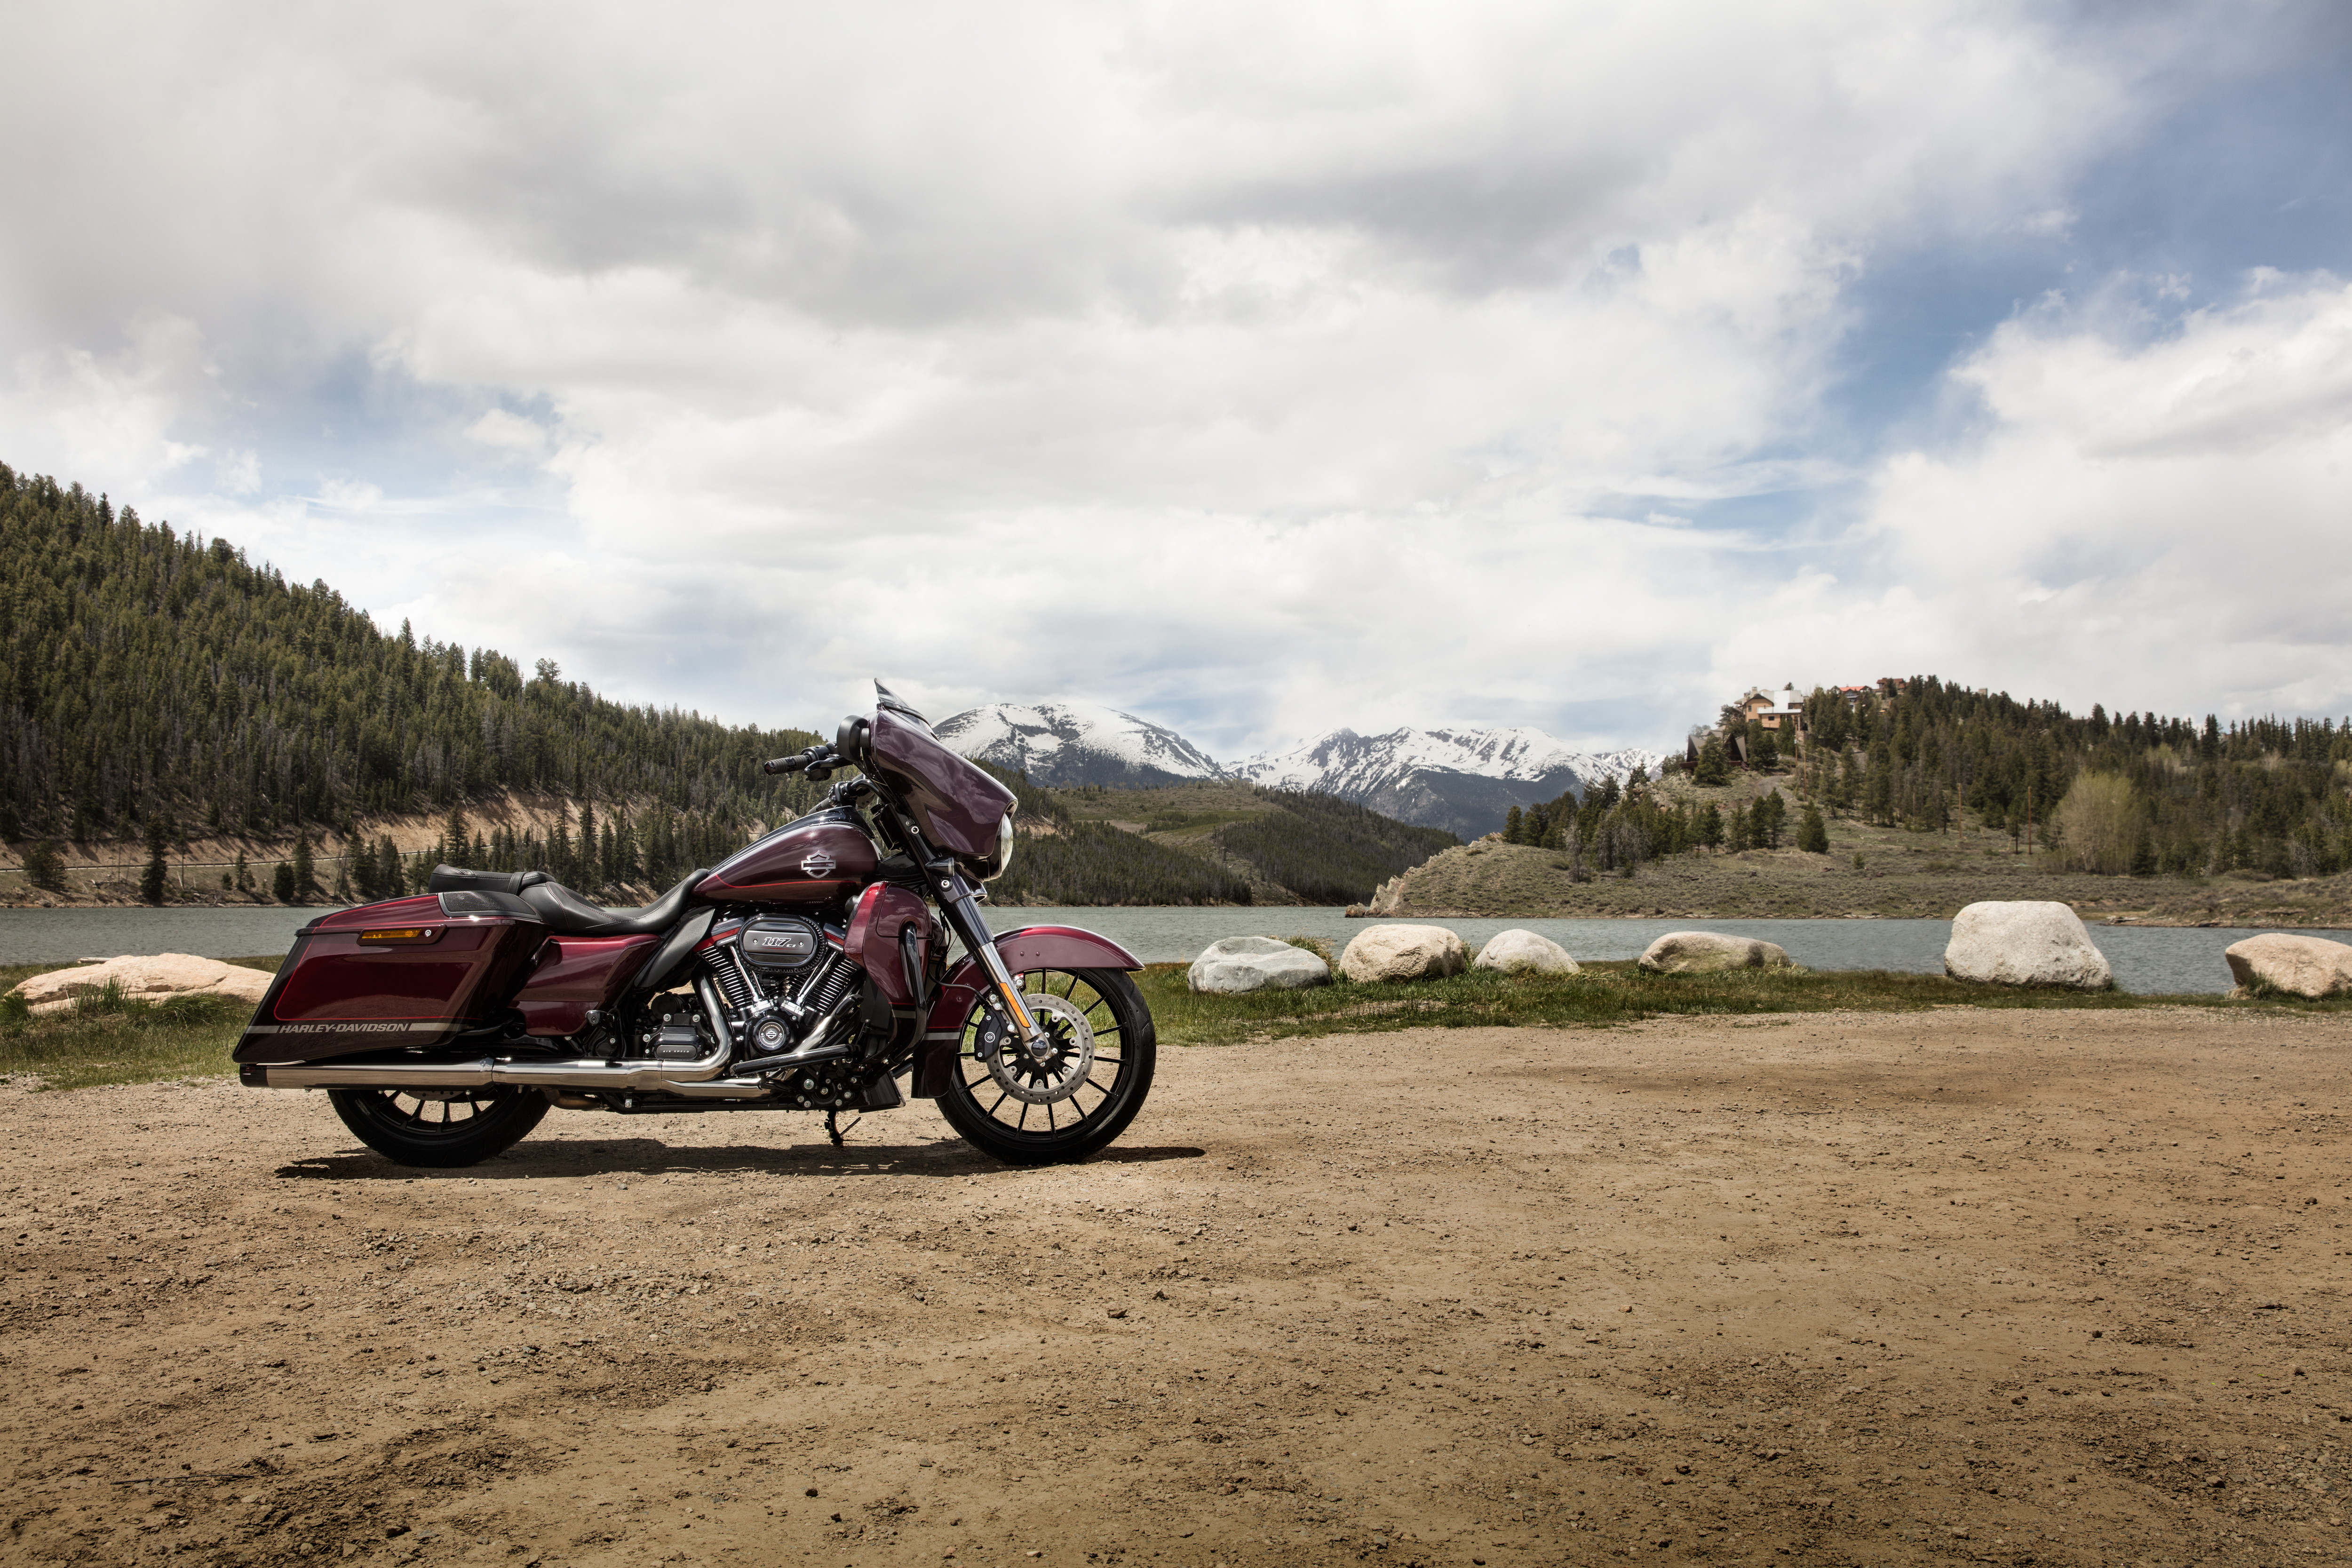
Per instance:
(1076,743)
(1461,779)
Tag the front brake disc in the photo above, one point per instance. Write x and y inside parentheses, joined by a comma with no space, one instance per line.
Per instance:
(1039,1080)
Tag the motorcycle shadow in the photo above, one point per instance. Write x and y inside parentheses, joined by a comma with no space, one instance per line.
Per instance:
(581,1158)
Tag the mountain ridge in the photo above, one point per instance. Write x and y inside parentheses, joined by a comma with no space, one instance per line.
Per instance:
(1462,778)
(1062,743)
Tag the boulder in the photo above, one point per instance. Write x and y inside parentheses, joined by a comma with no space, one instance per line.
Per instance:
(1403,952)
(1523,952)
(1239,964)
(2299,966)
(2025,943)
(1705,951)
(148,978)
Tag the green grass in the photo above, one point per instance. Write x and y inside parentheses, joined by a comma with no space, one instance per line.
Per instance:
(106,1038)
(1604,995)
(114,1040)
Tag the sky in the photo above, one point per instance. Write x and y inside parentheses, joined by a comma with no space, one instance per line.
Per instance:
(1259,369)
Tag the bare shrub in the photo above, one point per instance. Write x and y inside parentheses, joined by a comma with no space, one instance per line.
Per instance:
(2097,823)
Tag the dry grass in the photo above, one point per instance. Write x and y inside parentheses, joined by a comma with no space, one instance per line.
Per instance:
(107,1037)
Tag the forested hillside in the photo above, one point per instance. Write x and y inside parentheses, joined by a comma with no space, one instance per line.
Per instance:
(1310,848)
(156,687)
(2136,793)
(2129,793)
(147,676)
(1325,849)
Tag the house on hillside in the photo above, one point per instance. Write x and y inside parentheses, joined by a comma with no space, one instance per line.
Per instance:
(1783,713)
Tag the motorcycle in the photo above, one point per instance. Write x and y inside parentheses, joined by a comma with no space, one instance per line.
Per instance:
(808,972)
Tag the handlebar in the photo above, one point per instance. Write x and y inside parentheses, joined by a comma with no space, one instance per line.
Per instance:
(813,759)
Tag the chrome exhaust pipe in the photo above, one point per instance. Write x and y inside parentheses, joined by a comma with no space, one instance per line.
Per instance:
(588,1073)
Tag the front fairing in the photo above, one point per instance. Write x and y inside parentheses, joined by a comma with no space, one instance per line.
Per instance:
(957,806)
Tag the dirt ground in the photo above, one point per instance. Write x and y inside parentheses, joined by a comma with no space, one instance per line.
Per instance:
(2011,1286)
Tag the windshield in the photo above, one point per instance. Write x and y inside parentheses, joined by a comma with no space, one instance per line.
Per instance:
(889,701)
(958,806)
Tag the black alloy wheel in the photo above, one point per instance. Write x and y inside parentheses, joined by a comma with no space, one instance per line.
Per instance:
(439,1128)
(1027,1111)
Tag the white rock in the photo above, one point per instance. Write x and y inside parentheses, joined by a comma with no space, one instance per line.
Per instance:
(1403,952)
(2299,966)
(2025,943)
(1705,952)
(150,977)
(1239,964)
(1514,952)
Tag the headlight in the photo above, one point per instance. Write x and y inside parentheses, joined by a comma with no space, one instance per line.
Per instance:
(1003,849)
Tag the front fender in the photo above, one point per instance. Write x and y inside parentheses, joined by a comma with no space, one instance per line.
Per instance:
(1024,950)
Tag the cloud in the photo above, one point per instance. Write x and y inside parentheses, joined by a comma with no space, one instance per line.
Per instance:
(2152,521)
(1262,368)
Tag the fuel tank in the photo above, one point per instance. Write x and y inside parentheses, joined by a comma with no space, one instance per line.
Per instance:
(819,859)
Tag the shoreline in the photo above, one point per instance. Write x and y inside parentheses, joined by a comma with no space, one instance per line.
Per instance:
(2091,921)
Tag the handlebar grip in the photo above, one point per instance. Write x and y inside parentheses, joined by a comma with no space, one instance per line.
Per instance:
(784,765)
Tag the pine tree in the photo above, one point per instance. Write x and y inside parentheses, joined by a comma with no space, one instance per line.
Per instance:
(155,877)
(1713,768)
(630,869)
(281,883)
(1812,833)
(359,871)
(305,870)
(44,868)
(1511,822)
(559,846)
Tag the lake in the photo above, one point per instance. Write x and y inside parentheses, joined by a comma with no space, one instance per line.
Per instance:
(2146,958)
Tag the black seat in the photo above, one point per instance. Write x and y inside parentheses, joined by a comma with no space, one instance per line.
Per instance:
(458,880)
(568,914)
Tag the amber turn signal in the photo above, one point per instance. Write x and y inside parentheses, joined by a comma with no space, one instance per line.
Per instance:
(408,935)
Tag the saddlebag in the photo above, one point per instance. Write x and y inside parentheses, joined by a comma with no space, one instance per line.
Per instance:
(405,974)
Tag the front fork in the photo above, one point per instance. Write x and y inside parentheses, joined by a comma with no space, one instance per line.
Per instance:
(962,910)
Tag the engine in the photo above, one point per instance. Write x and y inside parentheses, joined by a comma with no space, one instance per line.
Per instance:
(787,986)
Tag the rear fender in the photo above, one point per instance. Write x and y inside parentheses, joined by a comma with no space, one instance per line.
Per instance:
(1024,950)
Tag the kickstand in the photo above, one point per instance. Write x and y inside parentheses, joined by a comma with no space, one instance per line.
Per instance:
(834,1130)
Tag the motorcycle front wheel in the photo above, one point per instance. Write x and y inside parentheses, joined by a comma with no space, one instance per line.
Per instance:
(1027,1111)
(439,1128)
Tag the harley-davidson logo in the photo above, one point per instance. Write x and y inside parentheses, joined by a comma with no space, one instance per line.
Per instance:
(817,863)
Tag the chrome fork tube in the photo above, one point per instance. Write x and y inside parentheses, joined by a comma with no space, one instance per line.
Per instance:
(964,911)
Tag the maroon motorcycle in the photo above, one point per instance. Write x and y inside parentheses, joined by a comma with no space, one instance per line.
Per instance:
(807,972)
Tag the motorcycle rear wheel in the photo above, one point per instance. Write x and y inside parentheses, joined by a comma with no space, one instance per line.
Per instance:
(439,1128)
(994,1121)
